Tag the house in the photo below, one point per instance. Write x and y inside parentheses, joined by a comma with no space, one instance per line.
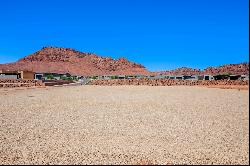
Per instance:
(200,77)
(172,77)
(16,74)
(121,76)
(179,77)
(205,77)
(160,76)
(208,77)
(80,77)
(9,74)
(130,77)
(38,76)
(106,77)
(190,77)
(150,76)
(244,77)
(100,77)
(166,76)
(234,77)
(140,76)
(221,77)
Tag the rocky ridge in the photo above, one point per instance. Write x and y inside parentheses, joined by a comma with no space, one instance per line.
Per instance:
(237,69)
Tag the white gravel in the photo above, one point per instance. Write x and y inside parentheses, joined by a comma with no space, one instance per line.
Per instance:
(124,125)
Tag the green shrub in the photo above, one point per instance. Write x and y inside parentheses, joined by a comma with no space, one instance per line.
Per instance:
(68,78)
(50,77)
(114,77)
(75,78)
(64,78)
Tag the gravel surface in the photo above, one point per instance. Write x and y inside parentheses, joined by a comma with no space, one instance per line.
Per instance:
(124,125)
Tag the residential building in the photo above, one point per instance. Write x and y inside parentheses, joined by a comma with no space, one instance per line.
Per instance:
(16,74)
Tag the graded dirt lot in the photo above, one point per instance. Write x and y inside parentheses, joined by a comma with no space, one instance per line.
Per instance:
(124,125)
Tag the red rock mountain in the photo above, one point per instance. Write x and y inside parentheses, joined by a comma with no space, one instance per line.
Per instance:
(65,60)
(237,69)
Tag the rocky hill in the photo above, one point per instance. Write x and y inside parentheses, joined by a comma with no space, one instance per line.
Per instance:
(237,69)
(66,60)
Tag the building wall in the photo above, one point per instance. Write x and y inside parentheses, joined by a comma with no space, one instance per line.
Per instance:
(3,76)
(9,74)
(28,75)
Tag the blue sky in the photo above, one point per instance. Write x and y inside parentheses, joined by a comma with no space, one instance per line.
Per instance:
(160,34)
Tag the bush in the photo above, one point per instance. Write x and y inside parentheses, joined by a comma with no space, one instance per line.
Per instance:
(64,78)
(114,77)
(50,77)
(68,78)
(75,78)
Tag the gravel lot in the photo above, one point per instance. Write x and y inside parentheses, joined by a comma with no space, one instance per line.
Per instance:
(124,125)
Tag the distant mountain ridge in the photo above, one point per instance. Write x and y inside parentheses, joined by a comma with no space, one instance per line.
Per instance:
(235,69)
(67,60)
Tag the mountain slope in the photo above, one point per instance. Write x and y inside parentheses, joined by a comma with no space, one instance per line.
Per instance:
(66,60)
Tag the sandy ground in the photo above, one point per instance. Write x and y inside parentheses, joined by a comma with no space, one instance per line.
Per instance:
(124,125)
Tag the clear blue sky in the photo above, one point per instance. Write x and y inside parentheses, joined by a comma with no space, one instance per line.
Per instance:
(160,34)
